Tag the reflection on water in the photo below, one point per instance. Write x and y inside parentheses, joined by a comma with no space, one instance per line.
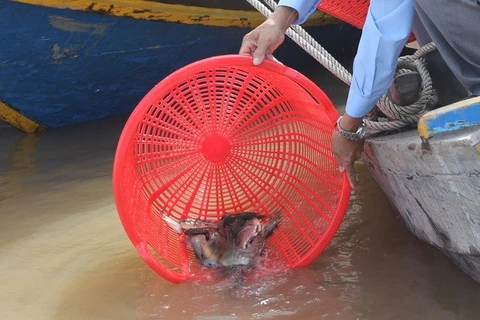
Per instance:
(64,254)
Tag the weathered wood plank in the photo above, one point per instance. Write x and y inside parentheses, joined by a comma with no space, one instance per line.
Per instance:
(456,116)
(17,120)
(435,186)
(192,13)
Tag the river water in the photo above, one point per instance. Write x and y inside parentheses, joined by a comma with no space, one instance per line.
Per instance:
(64,254)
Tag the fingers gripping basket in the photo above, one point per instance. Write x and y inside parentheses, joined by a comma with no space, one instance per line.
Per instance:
(221,135)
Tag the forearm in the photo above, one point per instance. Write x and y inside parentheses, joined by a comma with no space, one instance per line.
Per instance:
(384,35)
(284,17)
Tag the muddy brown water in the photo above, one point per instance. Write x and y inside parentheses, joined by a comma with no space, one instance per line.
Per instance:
(64,254)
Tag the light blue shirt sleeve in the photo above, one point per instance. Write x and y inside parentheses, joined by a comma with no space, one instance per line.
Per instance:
(386,30)
(304,8)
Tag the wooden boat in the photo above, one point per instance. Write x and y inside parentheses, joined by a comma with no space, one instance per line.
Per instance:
(69,61)
(432,176)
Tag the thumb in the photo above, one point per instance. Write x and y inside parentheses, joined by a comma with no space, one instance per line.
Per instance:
(350,169)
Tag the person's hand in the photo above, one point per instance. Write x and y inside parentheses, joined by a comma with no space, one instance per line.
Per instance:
(261,42)
(348,151)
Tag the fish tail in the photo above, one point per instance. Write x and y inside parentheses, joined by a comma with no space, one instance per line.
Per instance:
(172,223)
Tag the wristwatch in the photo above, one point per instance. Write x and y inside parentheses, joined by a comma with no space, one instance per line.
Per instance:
(356,136)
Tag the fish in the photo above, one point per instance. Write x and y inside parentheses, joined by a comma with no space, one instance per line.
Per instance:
(235,240)
(196,240)
(254,233)
(220,248)
(217,251)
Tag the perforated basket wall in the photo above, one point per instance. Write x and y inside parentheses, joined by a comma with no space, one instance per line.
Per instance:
(221,135)
(353,12)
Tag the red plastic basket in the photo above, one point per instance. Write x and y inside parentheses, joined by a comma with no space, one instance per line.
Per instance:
(221,135)
(353,12)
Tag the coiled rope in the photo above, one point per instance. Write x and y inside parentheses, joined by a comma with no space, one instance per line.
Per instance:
(397,116)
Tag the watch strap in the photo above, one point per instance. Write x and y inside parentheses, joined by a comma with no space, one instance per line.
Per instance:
(356,136)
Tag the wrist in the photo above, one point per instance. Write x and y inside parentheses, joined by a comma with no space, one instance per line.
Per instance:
(349,123)
(350,129)
(284,17)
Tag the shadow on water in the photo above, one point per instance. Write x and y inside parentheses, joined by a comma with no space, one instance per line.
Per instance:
(16,159)
(34,168)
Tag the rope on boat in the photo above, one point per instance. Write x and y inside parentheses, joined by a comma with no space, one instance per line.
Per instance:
(397,116)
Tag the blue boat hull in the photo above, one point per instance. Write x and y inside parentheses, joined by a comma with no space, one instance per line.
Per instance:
(61,67)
